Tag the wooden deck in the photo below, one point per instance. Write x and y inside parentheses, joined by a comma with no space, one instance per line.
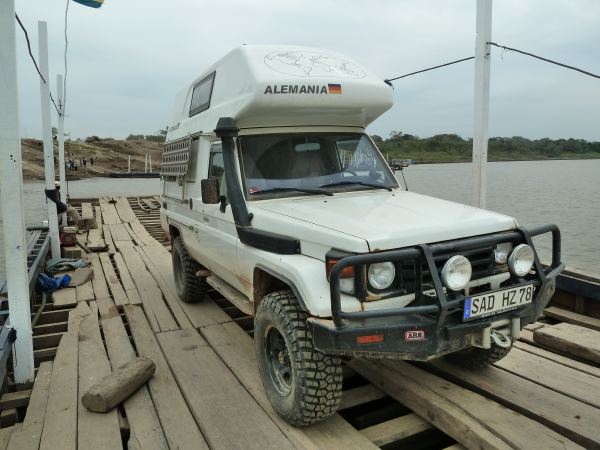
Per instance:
(206,392)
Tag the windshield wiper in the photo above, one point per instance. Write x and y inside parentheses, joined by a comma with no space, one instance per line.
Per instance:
(287,189)
(361,183)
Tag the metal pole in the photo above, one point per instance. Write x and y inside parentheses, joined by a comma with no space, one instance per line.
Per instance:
(129,164)
(11,199)
(150,159)
(47,134)
(146,164)
(61,141)
(481,101)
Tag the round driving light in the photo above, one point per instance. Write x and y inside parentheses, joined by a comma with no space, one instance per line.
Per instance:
(456,273)
(381,275)
(501,252)
(521,260)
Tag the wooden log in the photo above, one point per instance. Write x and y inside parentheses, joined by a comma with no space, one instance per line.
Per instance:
(572,317)
(220,404)
(119,385)
(471,419)
(573,339)
(28,437)
(571,418)
(177,422)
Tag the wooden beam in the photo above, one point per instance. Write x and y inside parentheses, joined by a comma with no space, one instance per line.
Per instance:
(220,404)
(471,419)
(178,424)
(573,339)
(571,418)
(395,430)
(569,362)
(572,317)
(360,395)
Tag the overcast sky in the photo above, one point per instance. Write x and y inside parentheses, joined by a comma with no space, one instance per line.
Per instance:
(128,58)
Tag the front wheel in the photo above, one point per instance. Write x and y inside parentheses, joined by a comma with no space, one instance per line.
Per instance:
(303,384)
(478,358)
(190,287)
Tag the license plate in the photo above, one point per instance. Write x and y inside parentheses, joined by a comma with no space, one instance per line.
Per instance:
(494,302)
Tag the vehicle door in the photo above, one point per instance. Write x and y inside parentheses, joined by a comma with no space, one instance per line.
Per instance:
(217,233)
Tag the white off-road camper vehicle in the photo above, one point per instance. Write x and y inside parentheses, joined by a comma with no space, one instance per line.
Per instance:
(275,195)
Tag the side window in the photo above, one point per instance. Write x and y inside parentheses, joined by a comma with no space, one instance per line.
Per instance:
(201,95)
(216,169)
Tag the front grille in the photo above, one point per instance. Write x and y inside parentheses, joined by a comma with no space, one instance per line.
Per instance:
(416,272)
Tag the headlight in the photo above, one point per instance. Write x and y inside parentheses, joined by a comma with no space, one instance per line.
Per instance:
(501,252)
(456,273)
(521,260)
(381,275)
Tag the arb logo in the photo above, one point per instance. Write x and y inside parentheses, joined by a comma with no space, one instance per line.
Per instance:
(415,335)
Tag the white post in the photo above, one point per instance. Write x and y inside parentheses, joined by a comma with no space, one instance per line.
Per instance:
(47,134)
(481,101)
(150,163)
(11,199)
(129,164)
(61,142)
(146,163)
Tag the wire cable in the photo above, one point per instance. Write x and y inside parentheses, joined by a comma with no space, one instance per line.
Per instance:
(389,80)
(34,61)
(503,47)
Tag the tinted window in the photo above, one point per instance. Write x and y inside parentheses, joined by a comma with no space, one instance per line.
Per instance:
(201,95)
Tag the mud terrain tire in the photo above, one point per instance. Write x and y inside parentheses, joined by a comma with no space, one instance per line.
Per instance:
(303,384)
(190,287)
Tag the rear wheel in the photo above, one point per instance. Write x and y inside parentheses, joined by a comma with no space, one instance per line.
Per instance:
(478,358)
(190,287)
(303,384)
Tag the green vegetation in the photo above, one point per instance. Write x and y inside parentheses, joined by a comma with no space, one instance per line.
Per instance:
(453,148)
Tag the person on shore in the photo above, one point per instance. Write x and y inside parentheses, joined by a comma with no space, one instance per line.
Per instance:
(84,161)
(91,160)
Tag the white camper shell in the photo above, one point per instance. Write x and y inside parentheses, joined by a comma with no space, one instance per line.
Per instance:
(273,194)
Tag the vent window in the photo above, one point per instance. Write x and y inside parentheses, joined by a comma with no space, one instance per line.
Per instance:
(201,95)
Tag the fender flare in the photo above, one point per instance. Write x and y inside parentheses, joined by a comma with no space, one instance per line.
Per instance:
(287,281)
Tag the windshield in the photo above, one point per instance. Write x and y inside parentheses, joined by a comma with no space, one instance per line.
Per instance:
(277,164)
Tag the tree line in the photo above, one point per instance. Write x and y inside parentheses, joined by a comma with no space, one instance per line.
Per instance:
(452,147)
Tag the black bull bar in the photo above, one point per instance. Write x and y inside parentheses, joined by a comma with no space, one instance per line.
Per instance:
(351,322)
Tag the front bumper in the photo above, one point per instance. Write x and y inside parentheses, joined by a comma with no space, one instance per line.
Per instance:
(426,331)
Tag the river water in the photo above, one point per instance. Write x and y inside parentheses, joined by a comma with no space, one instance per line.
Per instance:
(566,193)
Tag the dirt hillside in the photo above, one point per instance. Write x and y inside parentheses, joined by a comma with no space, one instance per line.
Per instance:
(110,155)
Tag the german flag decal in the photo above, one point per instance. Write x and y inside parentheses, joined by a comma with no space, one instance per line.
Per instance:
(334,88)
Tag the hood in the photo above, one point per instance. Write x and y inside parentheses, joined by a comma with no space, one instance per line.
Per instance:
(388,220)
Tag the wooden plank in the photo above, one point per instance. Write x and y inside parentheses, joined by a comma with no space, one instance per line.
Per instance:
(94,240)
(85,292)
(168,292)
(124,210)
(233,295)
(178,425)
(572,317)
(142,234)
(65,297)
(119,232)
(94,430)
(98,214)
(6,434)
(158,314)
(573,339)
(220,405)
(236,349)
(127,281)
(108,239)
(471,419)
(149,203)
(396,429)
(118,293)
(87,212)
(145,429)
(360,395)
(579,366)
(571,418)
(98,282)
(109,213)
(559,378)
(28,437)
(60,423)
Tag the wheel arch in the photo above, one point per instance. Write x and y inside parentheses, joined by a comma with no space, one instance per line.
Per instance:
(266,280)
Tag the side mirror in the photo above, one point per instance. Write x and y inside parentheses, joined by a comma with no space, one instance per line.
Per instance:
(210,191)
